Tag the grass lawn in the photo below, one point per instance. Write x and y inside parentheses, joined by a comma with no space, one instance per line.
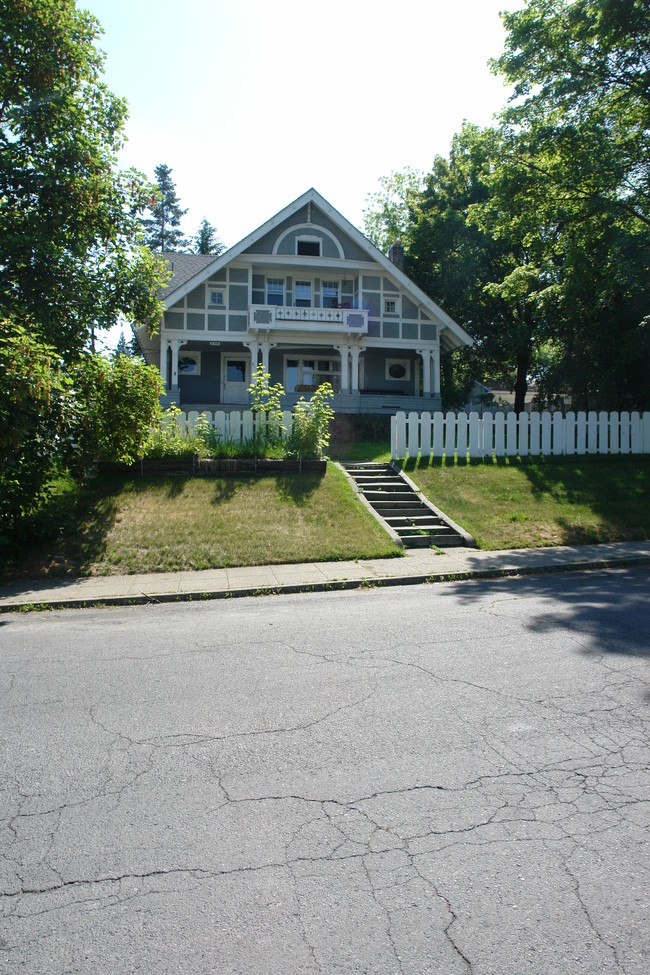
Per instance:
(125,525)
(536,502)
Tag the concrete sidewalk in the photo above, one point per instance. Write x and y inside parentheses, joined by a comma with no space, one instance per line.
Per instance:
(417,566)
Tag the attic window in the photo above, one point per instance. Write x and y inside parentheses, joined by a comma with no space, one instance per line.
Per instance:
(308,246)
(216,297)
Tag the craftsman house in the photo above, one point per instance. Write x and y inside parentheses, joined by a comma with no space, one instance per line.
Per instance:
(313,300)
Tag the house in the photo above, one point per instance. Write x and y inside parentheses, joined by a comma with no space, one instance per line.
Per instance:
(309,297)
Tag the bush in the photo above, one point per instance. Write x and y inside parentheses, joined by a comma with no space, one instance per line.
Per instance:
(37,414)
(310,434)
(118,401)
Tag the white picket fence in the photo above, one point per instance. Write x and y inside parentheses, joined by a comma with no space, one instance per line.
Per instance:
(526,434)
(236,426)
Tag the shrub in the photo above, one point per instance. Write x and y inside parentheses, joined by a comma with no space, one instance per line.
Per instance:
(310,434)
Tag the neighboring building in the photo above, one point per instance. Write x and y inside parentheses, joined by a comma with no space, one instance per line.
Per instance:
(312,299)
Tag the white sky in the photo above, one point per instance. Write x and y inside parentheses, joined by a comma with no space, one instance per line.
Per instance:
(252,102)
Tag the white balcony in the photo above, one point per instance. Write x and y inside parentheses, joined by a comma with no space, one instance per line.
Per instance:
(352,321)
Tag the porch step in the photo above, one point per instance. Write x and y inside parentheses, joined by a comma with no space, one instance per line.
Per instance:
(392,497)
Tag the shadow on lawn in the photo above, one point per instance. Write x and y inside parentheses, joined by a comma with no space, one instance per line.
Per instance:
(69,532)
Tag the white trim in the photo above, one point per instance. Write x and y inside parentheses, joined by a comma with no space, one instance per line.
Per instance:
(311,236)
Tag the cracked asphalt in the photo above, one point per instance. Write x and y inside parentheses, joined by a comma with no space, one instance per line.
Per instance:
(439,779)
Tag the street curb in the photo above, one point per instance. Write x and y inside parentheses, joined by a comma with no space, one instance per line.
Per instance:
(146,599)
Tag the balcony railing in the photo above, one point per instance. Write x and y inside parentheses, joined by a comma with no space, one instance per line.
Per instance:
(350,320)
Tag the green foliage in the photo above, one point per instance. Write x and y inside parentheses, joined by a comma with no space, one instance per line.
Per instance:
(206,240)
(69,220)
(266,400)
(118,401)
(310,433)
(162,228)
(393,210)
(36,417)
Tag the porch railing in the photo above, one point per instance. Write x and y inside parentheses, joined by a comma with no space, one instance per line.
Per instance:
(350,320)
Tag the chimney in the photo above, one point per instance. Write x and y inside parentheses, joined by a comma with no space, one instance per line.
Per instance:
(396,255)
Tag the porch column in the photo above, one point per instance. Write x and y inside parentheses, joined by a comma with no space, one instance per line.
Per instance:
(355,351)
(426,371)
(343,351)
(164,346)
(266,350)
(436,370)
(254,346)
(176,344)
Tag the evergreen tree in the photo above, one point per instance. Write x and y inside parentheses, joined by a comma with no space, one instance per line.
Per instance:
(123,347)
(206,240)
(162,228)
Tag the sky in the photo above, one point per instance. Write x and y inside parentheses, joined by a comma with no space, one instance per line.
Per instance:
(251,103)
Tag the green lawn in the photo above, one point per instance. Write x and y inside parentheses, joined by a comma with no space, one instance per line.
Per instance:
(536,502)
(125,525)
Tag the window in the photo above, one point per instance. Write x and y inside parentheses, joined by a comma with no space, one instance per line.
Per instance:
(303,294)
(330,296)
(303,374)
(390,306)
(308,246)
(398,369)
(189,364)
(275,291)
(215,297)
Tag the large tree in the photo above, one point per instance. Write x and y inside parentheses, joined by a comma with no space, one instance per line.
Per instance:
(69,260)
(163,228)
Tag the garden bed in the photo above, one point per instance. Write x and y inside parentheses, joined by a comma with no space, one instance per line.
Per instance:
(212,467)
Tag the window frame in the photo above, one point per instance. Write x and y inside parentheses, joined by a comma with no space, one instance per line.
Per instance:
(309,239)
(398,362)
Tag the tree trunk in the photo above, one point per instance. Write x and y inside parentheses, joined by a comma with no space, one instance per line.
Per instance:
(521,382)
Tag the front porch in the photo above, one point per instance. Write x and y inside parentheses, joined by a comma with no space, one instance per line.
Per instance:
(343,403)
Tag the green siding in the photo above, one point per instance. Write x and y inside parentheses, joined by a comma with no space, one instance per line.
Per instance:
(237,323)
(196,298)
(173,319)
(216,323)
(237,297)
(195,323)
(239,275)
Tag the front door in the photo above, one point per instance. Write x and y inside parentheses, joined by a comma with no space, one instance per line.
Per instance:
(236,379)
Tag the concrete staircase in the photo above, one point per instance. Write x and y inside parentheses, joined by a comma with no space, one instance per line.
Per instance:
(417,523)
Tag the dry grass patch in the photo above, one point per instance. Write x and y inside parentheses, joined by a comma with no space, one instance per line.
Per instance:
(538,502)
(118,525)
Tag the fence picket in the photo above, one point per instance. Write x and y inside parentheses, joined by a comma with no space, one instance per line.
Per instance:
(558,433)
(247,427)
(425,434)
(400,435)
(570,433)
(475,430)
(535,425)
(625,432)
(461,443)
(488,435)
(413,446)
(646,433)
(438,434)
(581,425)
(603,430)
(635,433)
(500,435)
(546,433)
(592,432)
(287,422)
(522,439)
(511,434)
(614,434)
(450,434)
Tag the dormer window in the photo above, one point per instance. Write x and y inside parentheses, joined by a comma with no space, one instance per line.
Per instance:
(308,246)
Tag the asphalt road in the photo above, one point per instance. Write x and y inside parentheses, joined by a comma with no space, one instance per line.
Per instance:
(440,779)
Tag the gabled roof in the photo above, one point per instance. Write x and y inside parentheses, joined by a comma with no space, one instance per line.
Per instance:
(214,264)
(183,267)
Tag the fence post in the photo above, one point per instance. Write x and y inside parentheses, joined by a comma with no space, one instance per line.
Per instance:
(400,435)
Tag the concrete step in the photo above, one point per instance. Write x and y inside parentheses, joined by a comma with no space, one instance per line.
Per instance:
(392,495)
(450,540)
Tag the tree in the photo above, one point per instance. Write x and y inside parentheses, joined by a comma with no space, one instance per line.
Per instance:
(123,347)
(162,228)
(576,168)
(68,220)
(393,210)
(206,240)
